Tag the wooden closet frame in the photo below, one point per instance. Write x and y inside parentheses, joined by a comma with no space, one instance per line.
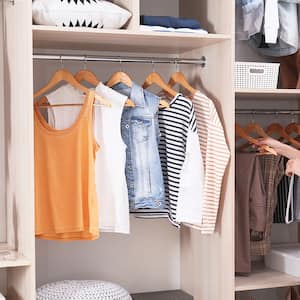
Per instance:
(207,262)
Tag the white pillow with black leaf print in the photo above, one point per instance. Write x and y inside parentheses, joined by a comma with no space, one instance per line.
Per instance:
(79,13)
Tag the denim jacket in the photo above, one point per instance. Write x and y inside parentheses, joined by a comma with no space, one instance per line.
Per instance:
(139,127)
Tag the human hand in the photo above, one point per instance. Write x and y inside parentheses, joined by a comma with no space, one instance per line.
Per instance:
(293,167)
(280,148)
(273,143)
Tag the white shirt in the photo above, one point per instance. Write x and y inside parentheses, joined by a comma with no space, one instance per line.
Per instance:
(110,160)
(181,160)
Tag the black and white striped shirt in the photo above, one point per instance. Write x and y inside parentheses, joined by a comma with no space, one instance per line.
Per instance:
(178,126)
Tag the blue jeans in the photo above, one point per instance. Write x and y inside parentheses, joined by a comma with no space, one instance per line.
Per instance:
(139,127)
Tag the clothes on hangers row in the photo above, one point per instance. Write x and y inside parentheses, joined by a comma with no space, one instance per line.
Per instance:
(264,195)
(257,179)
(271,27)
(147,159)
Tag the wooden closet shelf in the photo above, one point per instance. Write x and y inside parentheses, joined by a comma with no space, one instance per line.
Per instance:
(268,94)
(264,278)
(51,37)
(11,259)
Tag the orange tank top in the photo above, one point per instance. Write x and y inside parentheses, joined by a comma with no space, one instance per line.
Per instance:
(65,192)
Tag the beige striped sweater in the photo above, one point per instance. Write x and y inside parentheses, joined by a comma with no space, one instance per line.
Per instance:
(215,155)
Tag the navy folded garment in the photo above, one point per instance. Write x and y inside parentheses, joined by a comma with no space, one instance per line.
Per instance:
(173,22)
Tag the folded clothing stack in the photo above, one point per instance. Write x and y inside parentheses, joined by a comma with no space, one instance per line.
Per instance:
(171,24)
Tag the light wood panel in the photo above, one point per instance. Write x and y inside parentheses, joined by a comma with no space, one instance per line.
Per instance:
(264,278)
(268,94)
(134,7)
(19,143)
(12,259)
(3,238)
(207,262)
(50,37)
(214,16)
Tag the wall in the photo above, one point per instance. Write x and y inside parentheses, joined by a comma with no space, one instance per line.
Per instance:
(166,7)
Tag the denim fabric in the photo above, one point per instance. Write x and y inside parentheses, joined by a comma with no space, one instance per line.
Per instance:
(167,21)
(139,127)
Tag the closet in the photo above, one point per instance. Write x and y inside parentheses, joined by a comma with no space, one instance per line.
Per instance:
(155,256)
(264,283)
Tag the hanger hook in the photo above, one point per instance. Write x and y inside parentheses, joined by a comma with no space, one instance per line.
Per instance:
(176,66)
(293,117)
(153,66)
(85,63)
(61,62)
(252,116)
(120,64)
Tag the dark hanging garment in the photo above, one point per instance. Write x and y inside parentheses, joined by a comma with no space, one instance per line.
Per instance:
(250,208)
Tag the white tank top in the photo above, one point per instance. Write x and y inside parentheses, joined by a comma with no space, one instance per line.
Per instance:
(111,158)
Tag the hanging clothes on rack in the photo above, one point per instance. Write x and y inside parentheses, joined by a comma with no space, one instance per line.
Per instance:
(297,199)
(272,172)
(66,206)
(181,160)
(110,160)
(282,212)
(215,154)
(140,133)
(250,207)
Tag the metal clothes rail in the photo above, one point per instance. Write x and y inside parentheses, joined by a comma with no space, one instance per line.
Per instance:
(124,59)
(267,111)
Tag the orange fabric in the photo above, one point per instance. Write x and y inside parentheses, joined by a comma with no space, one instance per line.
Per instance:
(65,190)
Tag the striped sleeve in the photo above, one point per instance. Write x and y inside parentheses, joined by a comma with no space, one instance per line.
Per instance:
(215,155)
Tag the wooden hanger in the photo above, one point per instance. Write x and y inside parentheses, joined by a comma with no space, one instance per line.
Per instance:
(292,127)
(122,77)
(119,77)
(64,75)
(155,78)
(90,77)
(179,78)
(239,131)
(255,128)
(279,130)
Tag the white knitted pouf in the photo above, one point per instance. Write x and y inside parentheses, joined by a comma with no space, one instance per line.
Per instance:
(82,290)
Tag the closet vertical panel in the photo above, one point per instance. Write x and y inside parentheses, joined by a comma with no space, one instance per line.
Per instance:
(207,262)
(3,238)
(19,133)
(215,16)
(134,7)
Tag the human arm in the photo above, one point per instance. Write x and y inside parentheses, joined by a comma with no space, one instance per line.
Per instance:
(293,167)
(280,148)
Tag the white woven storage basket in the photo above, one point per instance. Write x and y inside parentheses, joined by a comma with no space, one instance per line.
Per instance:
(82,290)
(253,75)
